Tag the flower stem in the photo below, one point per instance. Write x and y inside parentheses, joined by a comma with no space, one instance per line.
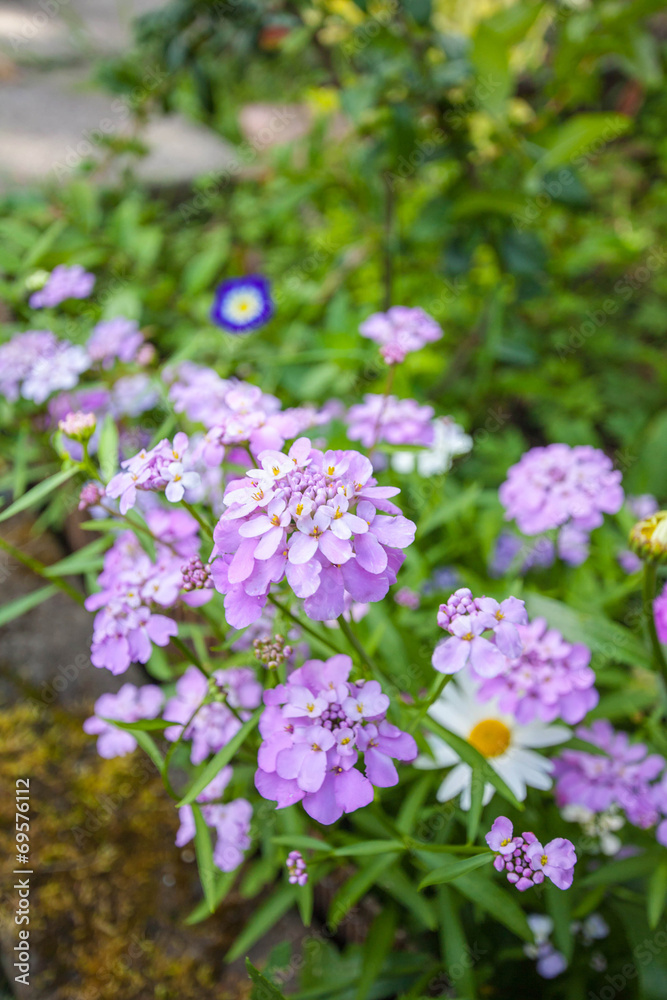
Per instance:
(189,654)
(650,574)
(437,687)
(346,629)
(197,516)
(41,570)
(302,625)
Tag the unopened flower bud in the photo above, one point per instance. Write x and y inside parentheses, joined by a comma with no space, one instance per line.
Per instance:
(78,426)
(648,538)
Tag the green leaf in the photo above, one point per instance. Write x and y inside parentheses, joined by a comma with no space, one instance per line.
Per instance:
(356,887)
(656,894)
(38,493)
(378,944)
(107,451)
(412,803)
(143,726)
(81,561)
(204,852)
(143,533)
(222,758)
(476,803)
(474,758)
(147,744)
(299,842)
(223,883)
(624,870)
(454,870)
(578,136)
(369,847)
(558,907)
(8,612)
(397,884)
(606,638)
(263,920)
(268,990)
(453,944)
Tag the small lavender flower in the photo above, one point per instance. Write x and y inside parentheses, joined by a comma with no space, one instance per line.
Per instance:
(399,331)
(130,704)
(80,426)
(63,283)
(296,866)
(196,575)
(386,418)
(90,496)
(114,339)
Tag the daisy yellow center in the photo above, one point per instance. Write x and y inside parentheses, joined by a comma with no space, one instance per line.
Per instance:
(491,737)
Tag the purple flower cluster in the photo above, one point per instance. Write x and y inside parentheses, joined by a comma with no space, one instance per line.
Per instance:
(466,618)
(126,625)
(230,820)
(159,468)
(114,339)
(386,418)
(201,708)
(312,518)
(36,363)
(555,485)
(63,283)
(399,331)
(512,552)
(526,861)
(549,679)
(314,728)
(196,575)
(623,776)
(130,704)
(296,866)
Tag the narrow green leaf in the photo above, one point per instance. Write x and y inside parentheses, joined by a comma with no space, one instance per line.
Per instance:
(107,451)
(453,944)
(412,803)
(204,852)
(476,803)
(300,842)
(222,758)
(621,871)
(223,884)
(558,908)
(378,944)
(369,847)
(263,920)
(37,493)
(454,870)
(147,744)
(8,612)
(397,884)
(496,901)
(305,900)
(143,726)
(356,887)
(656,895)
(268,990)
(81,561)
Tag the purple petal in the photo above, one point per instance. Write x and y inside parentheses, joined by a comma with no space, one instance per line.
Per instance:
(451,655)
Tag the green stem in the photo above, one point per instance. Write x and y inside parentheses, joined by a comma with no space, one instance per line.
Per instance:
(189,654)
(302,625)
(40,569)
(650,575)
(437,687)
(346,629)
(197,516)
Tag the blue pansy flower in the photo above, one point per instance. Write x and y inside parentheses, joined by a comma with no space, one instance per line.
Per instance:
(242,304)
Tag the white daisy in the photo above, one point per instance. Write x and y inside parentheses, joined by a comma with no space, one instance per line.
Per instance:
(506,744)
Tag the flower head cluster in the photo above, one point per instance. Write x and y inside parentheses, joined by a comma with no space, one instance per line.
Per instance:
(90,496)
(467,618)
(386,418)
(235,412)
(549,679)
(201,708)
(557,484)
(272,651)
(400,331)
(526,861)
(310,517)
(159,468)
(63,283)
(230,820)
(130,704)
(449,440)
(36,363)
(314,729)
(623,776)
(126,624)
(296,866)
(242,304)
(114,339)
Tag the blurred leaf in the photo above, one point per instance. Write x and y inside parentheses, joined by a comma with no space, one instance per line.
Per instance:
(14,609)
(204,852)
(220,760)
(262,920)
(378,944)
(38,493)
(454,869)
(267,990)
(656,895)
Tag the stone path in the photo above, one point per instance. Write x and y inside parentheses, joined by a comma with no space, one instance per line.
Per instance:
(51,116)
